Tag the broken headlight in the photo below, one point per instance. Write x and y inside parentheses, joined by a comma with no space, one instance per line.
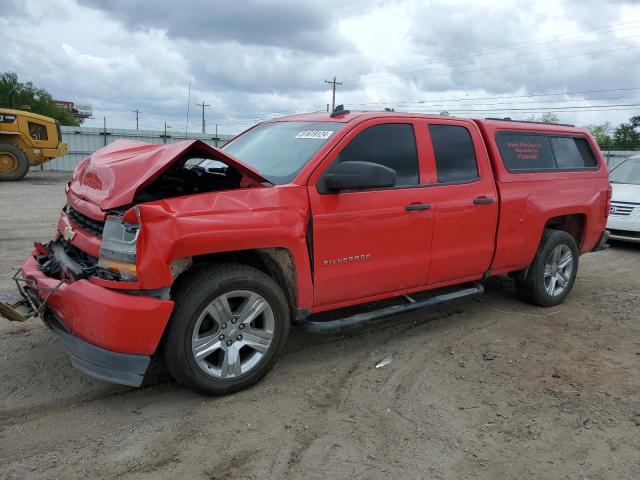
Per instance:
(118,251)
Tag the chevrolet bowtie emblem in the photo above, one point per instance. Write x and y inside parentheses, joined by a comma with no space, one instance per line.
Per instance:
(68,233)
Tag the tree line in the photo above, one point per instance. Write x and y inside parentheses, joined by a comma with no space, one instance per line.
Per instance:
(625,136)
(18,95)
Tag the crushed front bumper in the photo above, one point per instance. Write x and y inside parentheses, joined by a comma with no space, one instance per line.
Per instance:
(108,335)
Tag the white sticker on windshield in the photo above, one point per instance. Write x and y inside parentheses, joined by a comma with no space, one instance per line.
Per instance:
(317,134)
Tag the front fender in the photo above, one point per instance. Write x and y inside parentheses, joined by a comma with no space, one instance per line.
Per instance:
(219,222)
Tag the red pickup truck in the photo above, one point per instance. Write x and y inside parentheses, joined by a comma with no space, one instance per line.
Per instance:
(204,256)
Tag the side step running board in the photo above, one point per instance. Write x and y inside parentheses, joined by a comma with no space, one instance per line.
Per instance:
(362,319)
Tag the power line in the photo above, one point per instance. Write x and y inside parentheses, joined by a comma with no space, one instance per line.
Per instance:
(550,109)
(423,104)
(520,56)
(570,100)
(510,65)
(522,44)
(267,115)
(465,99)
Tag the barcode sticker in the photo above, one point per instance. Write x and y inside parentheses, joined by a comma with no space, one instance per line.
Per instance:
(315,134)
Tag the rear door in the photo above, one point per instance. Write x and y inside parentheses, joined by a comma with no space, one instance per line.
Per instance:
(372,242)
(465,201)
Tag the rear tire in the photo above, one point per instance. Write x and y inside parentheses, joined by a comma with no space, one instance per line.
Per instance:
(14,163)
(229,324)
(552,273)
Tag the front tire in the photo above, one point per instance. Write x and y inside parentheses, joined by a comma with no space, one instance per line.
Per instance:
(14,163)
(229,324)
(553,271)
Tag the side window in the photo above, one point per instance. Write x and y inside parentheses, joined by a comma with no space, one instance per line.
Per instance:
(572,152)
(392,145)
(455,156)
(37,131)
(525,152)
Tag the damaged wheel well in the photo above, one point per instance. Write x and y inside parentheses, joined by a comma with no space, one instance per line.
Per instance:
(275,262)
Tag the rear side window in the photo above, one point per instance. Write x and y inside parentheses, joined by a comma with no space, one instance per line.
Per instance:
(525,152)
(572,152)
(392,145)
(454,152)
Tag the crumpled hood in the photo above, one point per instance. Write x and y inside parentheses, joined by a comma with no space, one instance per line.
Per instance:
(624,192)
(111,176)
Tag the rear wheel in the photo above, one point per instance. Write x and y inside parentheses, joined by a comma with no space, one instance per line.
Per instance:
(553,271)
(229,324)
(14,163)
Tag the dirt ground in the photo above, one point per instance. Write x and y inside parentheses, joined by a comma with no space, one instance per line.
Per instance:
(489,388)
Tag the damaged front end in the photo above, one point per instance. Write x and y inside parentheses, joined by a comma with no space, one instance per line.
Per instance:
(102,283)
(58,260)
(107,334)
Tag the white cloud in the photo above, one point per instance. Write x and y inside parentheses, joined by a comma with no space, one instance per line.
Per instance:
(249,60)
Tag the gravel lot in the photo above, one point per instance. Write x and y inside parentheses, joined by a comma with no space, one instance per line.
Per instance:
(488,388)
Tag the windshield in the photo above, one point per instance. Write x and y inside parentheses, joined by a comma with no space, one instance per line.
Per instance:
(279,150)
(627,172)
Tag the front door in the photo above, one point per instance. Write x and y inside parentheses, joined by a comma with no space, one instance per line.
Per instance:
(371,242)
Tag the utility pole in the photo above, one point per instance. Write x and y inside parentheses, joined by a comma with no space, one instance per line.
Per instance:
(137,112)
(333,84)
(204,130)
(186,130)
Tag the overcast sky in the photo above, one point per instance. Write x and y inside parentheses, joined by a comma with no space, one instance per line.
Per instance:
(251,59)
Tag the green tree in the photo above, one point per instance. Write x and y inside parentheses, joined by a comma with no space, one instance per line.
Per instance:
(602,134)
(15,94)
(548,117)
(626,137)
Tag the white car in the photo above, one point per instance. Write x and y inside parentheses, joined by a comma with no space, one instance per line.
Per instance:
(624,216)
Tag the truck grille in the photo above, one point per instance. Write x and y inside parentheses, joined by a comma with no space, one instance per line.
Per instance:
(90,225)
(66,261)
(623,208)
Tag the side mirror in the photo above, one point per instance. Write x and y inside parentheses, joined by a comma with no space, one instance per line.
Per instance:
(359,176)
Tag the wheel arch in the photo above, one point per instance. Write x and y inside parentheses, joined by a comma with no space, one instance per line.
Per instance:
(574,224)
(277,263)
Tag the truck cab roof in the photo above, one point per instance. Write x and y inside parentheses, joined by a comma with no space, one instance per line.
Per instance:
(492,124)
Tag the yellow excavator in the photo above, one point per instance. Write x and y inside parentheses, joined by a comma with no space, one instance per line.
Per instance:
(27,139)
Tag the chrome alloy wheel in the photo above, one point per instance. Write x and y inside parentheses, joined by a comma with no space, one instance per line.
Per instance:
(233,334)
(558,270)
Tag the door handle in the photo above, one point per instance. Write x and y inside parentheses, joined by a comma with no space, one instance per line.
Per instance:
(414,207)
(483,200)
